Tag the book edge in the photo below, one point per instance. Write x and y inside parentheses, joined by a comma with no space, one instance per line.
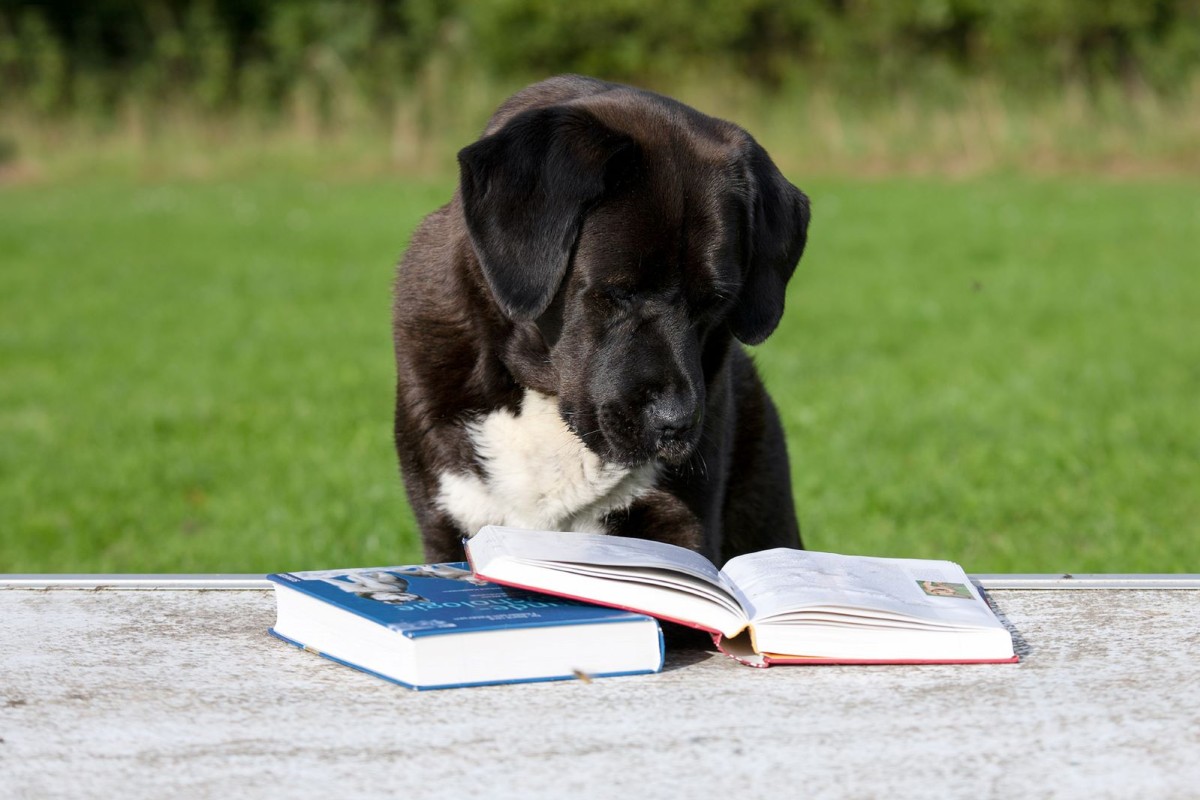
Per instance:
(504,682)
(769,660)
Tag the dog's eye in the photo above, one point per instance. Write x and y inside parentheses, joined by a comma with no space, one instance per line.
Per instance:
(619,296)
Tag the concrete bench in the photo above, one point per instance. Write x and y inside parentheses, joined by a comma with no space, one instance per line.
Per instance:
(169,686)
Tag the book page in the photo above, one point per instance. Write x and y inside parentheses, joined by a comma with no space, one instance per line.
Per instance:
(651,577)
(593,549)
(778,583)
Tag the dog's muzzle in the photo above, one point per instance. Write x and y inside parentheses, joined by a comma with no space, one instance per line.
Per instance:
(665,429)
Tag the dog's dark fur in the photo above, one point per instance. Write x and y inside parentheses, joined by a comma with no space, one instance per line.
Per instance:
(605,247)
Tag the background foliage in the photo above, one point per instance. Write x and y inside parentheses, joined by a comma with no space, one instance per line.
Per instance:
(907,84)
(218,52)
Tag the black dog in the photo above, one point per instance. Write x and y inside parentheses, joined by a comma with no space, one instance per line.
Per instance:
(565,327)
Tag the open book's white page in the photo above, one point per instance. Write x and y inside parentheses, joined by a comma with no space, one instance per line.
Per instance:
(652,577)
(785,584)
(593,548)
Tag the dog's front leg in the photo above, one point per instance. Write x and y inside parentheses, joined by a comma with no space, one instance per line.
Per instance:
(442,539)
(420,454)
(660,516)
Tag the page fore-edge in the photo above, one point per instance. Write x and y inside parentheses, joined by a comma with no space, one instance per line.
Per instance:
(435,686)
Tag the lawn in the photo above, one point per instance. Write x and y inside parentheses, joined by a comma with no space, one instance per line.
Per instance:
(195,375)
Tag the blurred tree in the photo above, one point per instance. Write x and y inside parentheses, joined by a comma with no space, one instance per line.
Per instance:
(55,53)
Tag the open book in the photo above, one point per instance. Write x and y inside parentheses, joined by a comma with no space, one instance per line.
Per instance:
(773,607)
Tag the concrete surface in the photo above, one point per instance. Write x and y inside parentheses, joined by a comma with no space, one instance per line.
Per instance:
(125,693)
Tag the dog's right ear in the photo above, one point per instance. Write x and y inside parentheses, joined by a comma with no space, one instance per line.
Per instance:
(525,191)
(780,215)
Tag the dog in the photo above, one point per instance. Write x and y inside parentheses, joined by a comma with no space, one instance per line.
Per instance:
(566,328)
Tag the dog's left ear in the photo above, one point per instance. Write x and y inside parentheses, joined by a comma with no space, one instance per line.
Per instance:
(525,191)
(779,214)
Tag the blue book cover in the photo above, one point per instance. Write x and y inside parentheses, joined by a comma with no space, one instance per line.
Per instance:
(419,602)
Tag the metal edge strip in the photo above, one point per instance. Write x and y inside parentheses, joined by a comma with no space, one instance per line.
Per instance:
(242,582)
(159,582)
(1090,581)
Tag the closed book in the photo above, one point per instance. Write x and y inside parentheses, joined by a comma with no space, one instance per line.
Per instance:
(436,626)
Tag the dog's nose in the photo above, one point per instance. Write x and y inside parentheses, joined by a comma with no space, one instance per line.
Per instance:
(671,419)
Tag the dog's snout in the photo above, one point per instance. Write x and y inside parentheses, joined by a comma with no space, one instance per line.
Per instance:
(672,418)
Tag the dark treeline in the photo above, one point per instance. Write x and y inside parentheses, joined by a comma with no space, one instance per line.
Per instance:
(64,55)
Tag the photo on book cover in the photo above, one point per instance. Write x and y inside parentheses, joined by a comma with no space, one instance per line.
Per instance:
(392,586)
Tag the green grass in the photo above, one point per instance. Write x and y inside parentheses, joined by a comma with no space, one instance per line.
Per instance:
(1003,372)
(197,376)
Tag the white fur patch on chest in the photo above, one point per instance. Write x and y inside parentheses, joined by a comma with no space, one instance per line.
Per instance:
(538,475)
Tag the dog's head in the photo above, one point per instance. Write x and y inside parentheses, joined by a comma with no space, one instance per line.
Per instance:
(628,238)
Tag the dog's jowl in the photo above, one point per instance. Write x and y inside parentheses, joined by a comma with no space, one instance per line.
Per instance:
(567,328)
